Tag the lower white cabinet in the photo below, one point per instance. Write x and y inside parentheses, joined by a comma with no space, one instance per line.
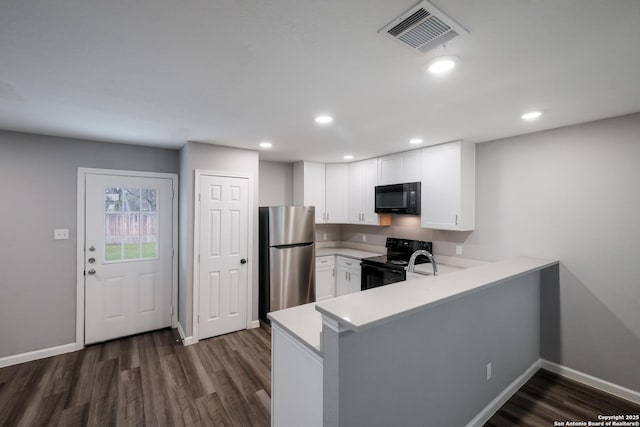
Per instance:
(296,382)
(348,272)
(325,277)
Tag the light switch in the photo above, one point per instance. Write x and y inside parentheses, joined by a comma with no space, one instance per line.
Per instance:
(61,234)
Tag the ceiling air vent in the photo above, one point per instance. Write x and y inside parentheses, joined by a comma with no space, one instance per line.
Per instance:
(423,27)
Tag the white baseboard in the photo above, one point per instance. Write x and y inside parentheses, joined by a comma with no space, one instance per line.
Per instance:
(506,394)
(592,381)
(254,324)
(186,340)
(37,354)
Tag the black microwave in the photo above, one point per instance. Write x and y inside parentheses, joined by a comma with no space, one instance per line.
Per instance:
(398,198)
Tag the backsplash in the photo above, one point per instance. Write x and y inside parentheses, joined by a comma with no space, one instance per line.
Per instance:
(402,227)
(328,232)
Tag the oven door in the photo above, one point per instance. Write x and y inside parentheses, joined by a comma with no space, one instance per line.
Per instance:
(374,276)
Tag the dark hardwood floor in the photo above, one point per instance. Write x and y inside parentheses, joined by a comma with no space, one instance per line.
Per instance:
(145,380)
(548,397)
(152,380)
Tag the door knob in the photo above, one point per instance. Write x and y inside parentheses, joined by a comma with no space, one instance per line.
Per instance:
(243,261)
(91,272)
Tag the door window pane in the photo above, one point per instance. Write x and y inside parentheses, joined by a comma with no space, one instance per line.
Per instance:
(148,200)
(131,201)
(132,247)
(149,246)
(131,223)
(112,200)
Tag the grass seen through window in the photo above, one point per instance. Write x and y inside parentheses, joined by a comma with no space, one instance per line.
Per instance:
(131,251)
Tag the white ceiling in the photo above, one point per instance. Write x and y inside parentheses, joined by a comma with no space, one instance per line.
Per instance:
(235,72)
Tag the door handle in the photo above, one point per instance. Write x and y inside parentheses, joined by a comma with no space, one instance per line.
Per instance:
(243,261)
(91,272)
(91,260)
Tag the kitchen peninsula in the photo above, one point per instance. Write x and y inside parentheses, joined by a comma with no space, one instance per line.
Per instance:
(429,351)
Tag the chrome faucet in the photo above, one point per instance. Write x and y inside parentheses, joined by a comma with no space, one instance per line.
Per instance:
(412,261)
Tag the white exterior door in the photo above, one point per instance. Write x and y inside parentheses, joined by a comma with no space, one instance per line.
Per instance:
(224,223)
(128,255)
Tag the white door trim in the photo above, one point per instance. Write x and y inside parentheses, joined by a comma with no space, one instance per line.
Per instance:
(80,302)
(196,247)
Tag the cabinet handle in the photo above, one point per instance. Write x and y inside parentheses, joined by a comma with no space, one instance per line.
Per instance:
(333,272)
(456,219)
(349,276)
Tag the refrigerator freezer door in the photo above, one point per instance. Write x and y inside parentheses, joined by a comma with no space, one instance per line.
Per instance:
(292,276)
(290,225)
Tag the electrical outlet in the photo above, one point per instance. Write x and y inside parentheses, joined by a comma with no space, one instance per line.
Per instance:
(364,237)
(488,371)
(458,249)
(61,234)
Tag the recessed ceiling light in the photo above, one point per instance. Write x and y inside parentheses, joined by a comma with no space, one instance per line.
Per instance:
(348,157)
(441,65)
(266,144)
(415,141)
(531,115)
(324,120)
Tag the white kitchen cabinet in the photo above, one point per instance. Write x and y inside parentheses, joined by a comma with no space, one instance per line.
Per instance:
(336,193)
(448,186)
(348,275)
(363,178)
(309,187)
(325,277)
(399,168)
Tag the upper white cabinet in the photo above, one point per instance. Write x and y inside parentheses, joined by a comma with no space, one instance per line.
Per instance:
(322,186)
(363,178)
(399,168)
(448,186)
(309,187)
(336,192)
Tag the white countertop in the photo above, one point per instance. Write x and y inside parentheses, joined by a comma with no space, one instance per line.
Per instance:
(365,309)
(348,252)
(426,269)
(303,322)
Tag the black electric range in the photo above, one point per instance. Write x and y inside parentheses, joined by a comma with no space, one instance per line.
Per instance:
(390,268)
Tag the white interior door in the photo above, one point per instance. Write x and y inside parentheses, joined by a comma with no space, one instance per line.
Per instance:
(128,255)
(224,209)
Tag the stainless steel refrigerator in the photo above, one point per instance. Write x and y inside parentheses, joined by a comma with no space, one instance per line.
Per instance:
(287,257)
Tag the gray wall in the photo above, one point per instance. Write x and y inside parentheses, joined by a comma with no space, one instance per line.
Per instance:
(39,191)
(194,155)
(430,367)
(572,194)
(276,184)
